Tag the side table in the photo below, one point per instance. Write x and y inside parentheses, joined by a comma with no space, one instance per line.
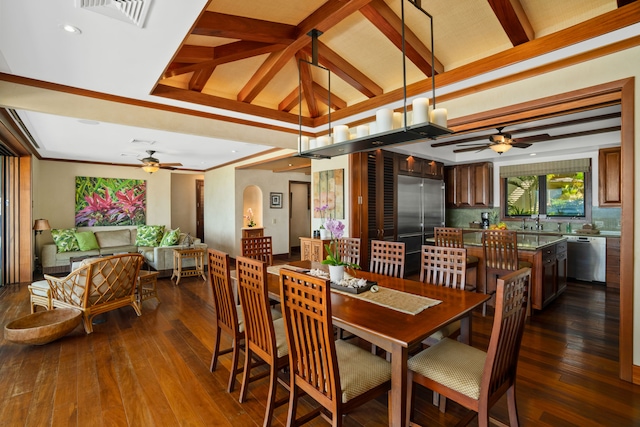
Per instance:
(147,282)
(180,255)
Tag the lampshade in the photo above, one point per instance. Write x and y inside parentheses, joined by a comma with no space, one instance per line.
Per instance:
(40,225)
(501,147)
(150,168)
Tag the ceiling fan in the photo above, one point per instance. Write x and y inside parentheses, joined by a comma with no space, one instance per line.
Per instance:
(503,142)
(150,164)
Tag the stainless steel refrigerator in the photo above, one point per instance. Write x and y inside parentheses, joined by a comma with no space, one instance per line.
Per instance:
(420,209)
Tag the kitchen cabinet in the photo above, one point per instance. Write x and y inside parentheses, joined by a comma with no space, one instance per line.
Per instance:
(469,185)
(562,260)
(416,166)
(613,262)
(609,177)
(381,195)
(549,282)
(313,249)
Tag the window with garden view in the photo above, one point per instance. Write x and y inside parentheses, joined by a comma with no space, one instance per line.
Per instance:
(554,195)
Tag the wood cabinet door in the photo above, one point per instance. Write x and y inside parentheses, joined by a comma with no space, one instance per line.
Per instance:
(482,184)
(609,180)
(549,272)
(451,186)
(613,262)
(465,185)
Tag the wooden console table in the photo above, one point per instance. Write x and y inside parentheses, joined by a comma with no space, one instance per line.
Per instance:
(179,255)
(313,249)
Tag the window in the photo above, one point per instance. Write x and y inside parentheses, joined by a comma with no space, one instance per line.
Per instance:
(562,194)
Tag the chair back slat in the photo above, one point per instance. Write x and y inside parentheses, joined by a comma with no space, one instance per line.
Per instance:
(349,248)
(223,299)
(306,310)
(448,237)
(500,249)
(443,266)
(258,322)
(512,295)
(387,258)
(260,248)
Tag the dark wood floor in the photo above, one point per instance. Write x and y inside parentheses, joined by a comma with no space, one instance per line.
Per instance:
(154,369)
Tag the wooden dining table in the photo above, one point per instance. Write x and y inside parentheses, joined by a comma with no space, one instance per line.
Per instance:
(393,330)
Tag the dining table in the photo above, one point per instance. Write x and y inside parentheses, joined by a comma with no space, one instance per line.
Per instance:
(393,330)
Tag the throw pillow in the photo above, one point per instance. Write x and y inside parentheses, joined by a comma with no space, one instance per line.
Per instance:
(87,241)
(149,235)
(170,237)
(65,239)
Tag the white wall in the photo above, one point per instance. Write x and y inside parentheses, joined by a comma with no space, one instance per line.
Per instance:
(341,162)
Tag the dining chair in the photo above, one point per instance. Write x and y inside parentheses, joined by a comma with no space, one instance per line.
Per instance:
(474,378)
(265,337)
(387,258)
(228,315)
(260,248)
(349,249)
(338,375)
(451,237)
(500,248)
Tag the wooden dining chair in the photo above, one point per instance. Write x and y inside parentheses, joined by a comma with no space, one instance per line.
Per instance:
(265,337)
(387,258)
(349,249)
(338,375)
(474,378)
(228,316)
(451,237)
(500,248)
(260,248)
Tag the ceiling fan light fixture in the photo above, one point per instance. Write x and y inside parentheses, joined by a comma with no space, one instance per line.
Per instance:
(150,168)
(501,147)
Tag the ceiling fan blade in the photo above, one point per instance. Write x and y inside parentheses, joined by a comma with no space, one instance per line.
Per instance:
(472,145)
(533,138)
(169,164)
(464,150)
(521,145)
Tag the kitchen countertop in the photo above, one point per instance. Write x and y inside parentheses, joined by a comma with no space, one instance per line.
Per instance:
(527,241)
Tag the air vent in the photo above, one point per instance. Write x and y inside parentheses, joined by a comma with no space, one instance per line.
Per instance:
(142,141)
(131,11)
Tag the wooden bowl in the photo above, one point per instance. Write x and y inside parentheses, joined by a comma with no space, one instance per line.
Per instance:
(42,327)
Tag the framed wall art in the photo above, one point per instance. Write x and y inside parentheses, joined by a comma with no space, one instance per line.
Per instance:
(275,200)
(110,201)
(328,190)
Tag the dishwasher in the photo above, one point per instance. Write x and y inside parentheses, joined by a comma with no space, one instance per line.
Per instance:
(587,258)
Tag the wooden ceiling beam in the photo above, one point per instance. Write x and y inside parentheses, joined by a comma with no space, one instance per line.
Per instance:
(306,80)
(231,52)
(347,72)
(290,100)
(200,78)
(325,17)
(390,24)
(215,24)
(322,94)
(624,2)
(514,20)
(193,54)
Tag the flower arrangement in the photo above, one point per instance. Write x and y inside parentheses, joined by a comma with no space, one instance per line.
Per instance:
(249,218)
(324,214)
(336,228)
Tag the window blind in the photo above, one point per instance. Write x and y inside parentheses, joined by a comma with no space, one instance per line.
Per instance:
(545,168)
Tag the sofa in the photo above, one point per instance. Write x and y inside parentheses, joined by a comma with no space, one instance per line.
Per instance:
(115,242)
(110,242)
(98,285)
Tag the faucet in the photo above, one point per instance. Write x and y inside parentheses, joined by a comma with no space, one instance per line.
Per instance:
(524,223)
(538,222)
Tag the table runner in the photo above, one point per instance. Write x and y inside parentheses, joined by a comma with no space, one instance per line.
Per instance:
(390,298)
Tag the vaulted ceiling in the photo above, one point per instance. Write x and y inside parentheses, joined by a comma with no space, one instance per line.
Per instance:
(241,63)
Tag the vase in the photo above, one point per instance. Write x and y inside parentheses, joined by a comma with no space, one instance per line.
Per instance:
(324,233)
(336,273)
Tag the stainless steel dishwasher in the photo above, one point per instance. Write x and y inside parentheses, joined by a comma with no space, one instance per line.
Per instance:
(587,258)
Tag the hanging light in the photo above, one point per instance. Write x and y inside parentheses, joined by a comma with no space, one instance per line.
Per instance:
(501,143)
(500,147)
(150,168)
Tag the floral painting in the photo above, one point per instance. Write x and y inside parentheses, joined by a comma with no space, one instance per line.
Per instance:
(110,201)
(328,189)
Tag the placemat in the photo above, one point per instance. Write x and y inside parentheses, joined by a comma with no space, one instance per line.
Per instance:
(395,300)
(275,269)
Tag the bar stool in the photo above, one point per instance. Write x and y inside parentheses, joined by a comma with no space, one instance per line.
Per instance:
(451,237)
(500,257)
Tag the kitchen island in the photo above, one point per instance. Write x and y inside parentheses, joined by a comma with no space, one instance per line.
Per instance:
(545,251)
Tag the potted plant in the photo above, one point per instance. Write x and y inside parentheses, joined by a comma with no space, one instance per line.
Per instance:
(249,218)
(333,259)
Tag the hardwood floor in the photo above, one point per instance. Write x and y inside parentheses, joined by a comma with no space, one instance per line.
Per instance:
(154,369)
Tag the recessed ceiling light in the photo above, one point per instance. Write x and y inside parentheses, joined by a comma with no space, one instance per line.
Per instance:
(532,154)
(290,164)
(71,29)
(234,151)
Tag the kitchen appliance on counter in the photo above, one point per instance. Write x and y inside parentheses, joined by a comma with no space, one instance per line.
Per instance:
(484,218)
(587,258)
(420,209)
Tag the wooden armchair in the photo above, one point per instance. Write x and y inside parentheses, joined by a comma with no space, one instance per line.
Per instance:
(336,374)
(260,248)
(98,286)
(474,378)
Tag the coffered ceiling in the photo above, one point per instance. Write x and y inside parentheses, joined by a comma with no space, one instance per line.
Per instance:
(207,83)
